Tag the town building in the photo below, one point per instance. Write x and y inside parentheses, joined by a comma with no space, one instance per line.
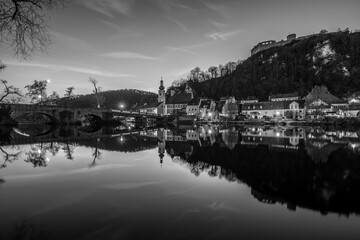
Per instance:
(275,109)
(193,106)
(172,103)
(207,109)
(152,108)
(320,101)
(230,108)
(177,101)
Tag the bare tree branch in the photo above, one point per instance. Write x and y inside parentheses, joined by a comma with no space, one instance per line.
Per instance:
(23,25)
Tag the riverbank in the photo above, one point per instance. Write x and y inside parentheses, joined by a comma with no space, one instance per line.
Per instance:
(342,122)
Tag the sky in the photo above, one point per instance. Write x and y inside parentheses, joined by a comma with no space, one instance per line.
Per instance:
(133,43)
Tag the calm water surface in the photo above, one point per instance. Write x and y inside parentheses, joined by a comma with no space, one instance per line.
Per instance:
(184,183)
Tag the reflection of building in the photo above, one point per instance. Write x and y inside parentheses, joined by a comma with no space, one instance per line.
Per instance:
(277,137)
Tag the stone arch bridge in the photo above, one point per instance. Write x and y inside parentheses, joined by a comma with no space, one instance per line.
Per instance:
(68,115)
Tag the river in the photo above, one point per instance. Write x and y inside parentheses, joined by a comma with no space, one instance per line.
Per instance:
(205,182)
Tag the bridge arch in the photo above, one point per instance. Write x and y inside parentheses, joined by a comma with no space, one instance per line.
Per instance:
(88,119)
(15,115)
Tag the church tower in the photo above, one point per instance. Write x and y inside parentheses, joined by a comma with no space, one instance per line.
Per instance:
(161,98)
(161,95)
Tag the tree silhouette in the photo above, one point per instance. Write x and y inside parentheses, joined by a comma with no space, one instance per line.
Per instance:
(23,25)
(8,89)
(9,157)
(37,91)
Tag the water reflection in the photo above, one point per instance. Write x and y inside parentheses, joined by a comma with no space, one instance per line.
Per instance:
(301,168)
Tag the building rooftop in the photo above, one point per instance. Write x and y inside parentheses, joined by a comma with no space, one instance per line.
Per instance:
(151,105)
(250,98)
(284,95)
(179,98)
(322,93)
(194,102)
(269,105)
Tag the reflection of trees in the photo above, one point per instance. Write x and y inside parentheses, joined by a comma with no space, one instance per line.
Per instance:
(69,151)
(25,229)
(285,176)
(37,157)
(96,156)
(9,157)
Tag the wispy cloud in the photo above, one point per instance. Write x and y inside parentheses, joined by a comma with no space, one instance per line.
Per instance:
(179,49)
(85,70)
(170,6)
(109,7)
(72,42)
(180,24)
(120,31)
(129,55)
(223,35)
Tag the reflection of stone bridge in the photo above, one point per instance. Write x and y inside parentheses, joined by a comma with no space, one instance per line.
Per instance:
(66,114)
(72,134)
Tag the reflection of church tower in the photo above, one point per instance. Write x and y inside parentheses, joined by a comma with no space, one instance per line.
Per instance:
(161,96)
(161,146)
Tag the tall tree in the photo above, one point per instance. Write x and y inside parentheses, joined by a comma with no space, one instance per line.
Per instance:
(99,99)
(23,25)
(69,92)
(37,91)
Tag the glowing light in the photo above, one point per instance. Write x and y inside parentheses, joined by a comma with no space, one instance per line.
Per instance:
(39,151)
(121,139)
(278,134)
(47,159)
(277,113)
(210,131)
(48,80)
(39,96)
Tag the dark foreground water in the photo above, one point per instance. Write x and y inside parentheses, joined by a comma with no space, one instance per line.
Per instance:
(184,183)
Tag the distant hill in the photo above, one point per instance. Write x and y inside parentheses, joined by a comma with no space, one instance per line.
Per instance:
(330,59)
(130,98)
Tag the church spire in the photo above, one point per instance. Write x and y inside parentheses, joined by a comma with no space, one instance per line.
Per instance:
(161,84)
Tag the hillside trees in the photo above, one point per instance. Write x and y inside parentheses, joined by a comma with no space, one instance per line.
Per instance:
(295,67)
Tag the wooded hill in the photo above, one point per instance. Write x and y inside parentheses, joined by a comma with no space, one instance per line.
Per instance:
(130,98)
(330,59)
